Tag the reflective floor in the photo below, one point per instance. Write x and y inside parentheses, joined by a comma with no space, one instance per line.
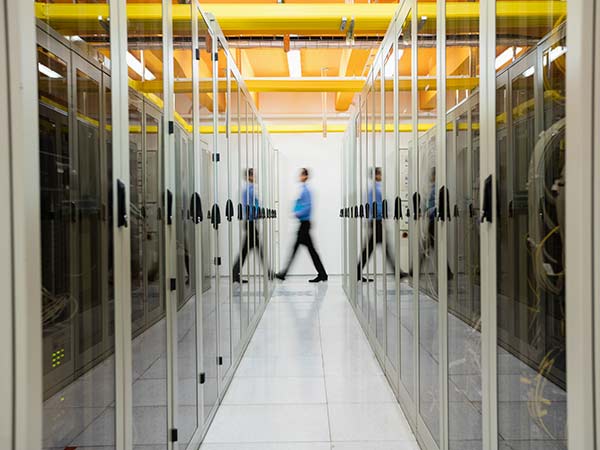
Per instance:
(309,380)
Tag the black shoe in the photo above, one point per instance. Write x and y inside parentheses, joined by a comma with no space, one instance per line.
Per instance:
(280,276)
(365,280)
(403,275)
(318,279)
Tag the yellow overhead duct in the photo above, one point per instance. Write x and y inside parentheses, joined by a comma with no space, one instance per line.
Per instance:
(304,19)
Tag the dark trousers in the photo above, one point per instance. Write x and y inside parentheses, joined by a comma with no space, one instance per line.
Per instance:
(369,247)
(304,238)
(251,241)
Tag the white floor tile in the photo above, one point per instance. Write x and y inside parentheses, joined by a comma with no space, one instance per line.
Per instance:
(399,445)
(359,389)
(309,381)
(368,422)
(305,366)
(276,391)
(269,446)
(269,423)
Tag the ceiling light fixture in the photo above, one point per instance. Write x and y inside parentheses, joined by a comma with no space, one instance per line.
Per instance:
(504,57)
(388,69)
(48,71)
(135,65)
(294,63)
(528,72)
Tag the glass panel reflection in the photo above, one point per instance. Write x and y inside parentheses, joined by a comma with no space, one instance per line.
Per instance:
(530,155)
(76,245)
(426,203)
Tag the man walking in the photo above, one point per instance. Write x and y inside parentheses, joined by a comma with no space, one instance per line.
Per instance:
(251,239)
(302,211)
(376,228)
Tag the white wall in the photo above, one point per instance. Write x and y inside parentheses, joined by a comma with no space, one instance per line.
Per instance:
(322,158)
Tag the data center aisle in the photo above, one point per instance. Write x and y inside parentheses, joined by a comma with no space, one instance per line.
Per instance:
(309,381)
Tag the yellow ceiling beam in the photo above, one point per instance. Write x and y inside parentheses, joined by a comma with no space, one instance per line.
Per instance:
(306,19)
(311,128)
(456,58)
(352,64)
(317,84)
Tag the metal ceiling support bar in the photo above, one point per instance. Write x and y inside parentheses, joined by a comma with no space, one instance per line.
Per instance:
(301,19)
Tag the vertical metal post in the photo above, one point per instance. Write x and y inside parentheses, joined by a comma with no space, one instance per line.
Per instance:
(170,229)
(487,166)
(122,250)
(442,227)
(215,200)
(21,154)
(582,116)
(7,297)
(415,171)
(199,269)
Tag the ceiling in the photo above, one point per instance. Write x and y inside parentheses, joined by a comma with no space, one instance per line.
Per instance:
(282,49)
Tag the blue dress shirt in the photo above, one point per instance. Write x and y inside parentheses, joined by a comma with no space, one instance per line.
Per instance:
(303,206)
(248,198)
(378,199)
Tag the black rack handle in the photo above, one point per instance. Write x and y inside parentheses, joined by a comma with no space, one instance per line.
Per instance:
(356,211)
(240,213)
(263,213)
(416,200)
(456,211)
(229,211)
(169,207)
(367,210)
(471,212)
(486,215)
(441,209)
(215,217)
(122,219)
(197,215)
(361,211)
(398,208)
(447,207)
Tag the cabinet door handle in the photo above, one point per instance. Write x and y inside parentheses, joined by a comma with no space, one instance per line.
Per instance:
(215,217)
(486,215)
(197,215)
(441,205)
(398,208)
(229,210)
(122,219)
(169,207)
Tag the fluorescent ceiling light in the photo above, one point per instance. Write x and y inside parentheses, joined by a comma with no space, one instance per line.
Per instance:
(556,52)
(528,72)
(48,71)
(137,67)
(294,63)
(388,69)
(504,57)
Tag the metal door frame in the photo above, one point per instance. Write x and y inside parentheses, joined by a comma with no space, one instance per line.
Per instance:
(150,110)
(95,73)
